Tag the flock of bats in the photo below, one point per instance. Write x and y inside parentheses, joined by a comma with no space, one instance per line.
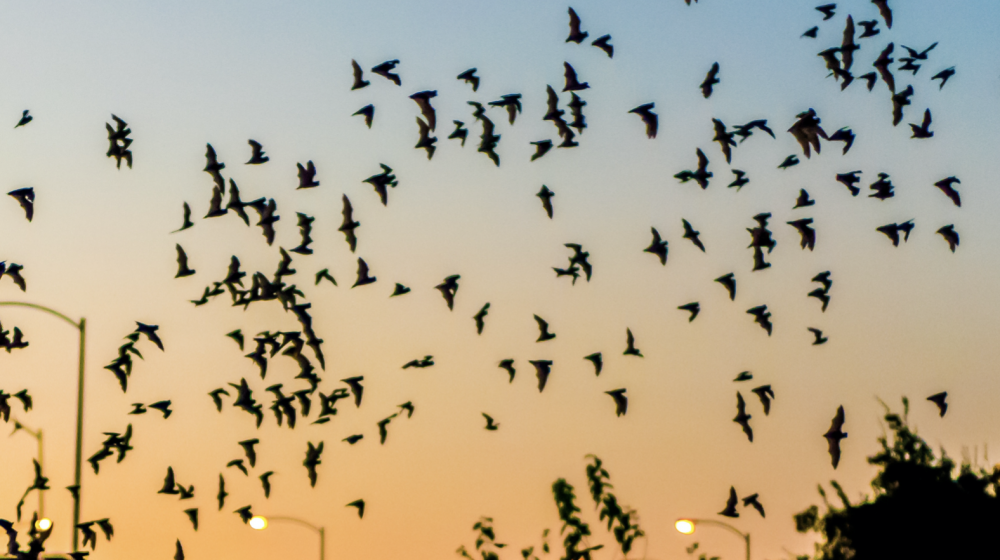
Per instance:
(806,129)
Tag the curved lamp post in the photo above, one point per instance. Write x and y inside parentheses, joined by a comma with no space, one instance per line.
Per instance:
(37,434)
(259,523)
(82,328)
(687,526)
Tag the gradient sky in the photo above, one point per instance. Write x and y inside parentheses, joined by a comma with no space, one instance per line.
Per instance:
(912,320)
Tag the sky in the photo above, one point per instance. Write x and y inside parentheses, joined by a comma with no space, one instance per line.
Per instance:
(912,320)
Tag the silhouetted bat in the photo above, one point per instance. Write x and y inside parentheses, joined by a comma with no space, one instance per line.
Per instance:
(381,181)
(885,11)
(368,112)
(725,139)
(448,289)
(834,435)
(803,200)
(182,264)
(711,79)
(423,100)
(470,77)
(426,141)
(693,308)
(657,247)
(765,394)
(939,400)
(621,401)
(806,231)
(762,317)
(546,195)
(923,130)
(307,176)
(187,219)
(26,198)
(385,70)
(575,35)
(461,133)
(257,157)
(820,339)
(479,318)
(572,83)
(742,418)
(542,370)
(508,365)
(630,349)
(950,235)
(541,148)
(604,43)
(900,100)
(845,135)
(943,76)
(729,282)
(359,81)
(850,180)
(649,118)
(543,328)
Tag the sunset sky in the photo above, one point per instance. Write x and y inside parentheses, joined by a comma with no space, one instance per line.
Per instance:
(912,320)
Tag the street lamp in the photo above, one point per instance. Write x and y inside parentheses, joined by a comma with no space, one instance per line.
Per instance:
(687,526)
(259,523)
(43,524)
(82,328)
(37,434)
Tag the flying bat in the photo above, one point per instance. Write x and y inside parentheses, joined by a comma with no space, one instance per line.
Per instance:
(621,401)
(385,70)
(742,418)
(26,198)
(946,187)
(546,195)
(630,349)
(658,247)
(939,400)
(762,317)
(649,118)
(575,35)
(834,435)
(711,79)
(729,282)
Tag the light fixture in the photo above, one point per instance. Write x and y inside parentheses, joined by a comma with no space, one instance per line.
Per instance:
(685,526)
(258,522)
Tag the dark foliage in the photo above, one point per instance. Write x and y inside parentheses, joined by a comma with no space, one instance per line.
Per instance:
(922,507)
(622,522)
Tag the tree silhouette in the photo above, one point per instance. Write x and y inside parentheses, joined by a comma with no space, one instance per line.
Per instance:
(622,522)
(920,509)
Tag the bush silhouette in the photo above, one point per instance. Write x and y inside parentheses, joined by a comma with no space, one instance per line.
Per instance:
(920,508)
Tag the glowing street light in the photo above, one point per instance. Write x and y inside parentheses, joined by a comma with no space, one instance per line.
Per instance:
(43,524)
(259,523)
(687,527)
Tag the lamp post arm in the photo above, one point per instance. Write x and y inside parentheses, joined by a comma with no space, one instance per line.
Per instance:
(295,520)
(727,526)
(320,530)
(76,325)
